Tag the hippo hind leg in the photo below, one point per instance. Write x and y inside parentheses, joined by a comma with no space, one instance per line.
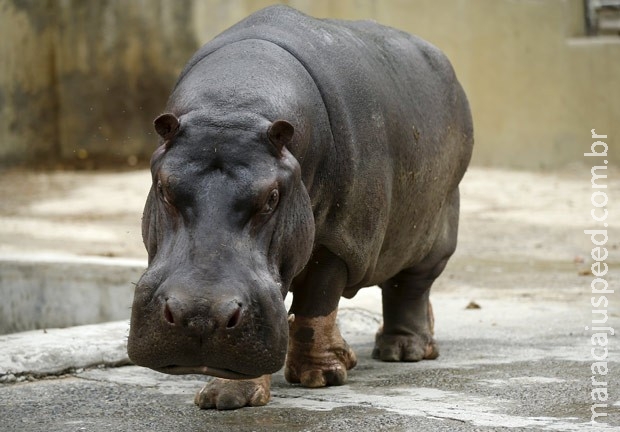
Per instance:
(407,331)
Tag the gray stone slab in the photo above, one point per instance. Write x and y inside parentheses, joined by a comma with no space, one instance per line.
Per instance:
(53,351)
(53,290)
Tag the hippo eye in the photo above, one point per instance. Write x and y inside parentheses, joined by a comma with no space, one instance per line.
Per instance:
(272,202)
(161,192)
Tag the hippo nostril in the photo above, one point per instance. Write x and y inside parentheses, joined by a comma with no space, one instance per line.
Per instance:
(200,317)
(234,318)
(168,313)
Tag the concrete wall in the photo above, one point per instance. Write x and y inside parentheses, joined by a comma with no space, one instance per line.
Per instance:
(62,291)
(85,78)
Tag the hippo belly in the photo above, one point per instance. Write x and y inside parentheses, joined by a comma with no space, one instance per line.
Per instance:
(315,157)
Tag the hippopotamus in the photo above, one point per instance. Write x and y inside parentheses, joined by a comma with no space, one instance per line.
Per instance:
(305,156)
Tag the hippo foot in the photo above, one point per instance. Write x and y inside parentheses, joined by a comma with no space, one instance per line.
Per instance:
(405,348)
(323,369)
(223,394)
(318,356)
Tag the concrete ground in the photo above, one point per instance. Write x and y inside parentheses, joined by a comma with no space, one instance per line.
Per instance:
(512,316)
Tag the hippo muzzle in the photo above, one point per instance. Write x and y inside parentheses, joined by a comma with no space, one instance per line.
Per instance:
(228,333)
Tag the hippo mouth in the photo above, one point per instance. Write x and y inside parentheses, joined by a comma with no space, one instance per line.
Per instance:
(205,370)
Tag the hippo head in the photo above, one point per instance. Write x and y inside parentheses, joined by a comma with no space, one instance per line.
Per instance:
(227,225)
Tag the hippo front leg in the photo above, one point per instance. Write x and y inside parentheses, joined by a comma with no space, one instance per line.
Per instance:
(224,394)
(318,356)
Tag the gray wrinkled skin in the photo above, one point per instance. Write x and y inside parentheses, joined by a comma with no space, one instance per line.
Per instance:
(302,155)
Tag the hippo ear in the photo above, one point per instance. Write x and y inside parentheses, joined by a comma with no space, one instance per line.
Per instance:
(280,133)
(166,125)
